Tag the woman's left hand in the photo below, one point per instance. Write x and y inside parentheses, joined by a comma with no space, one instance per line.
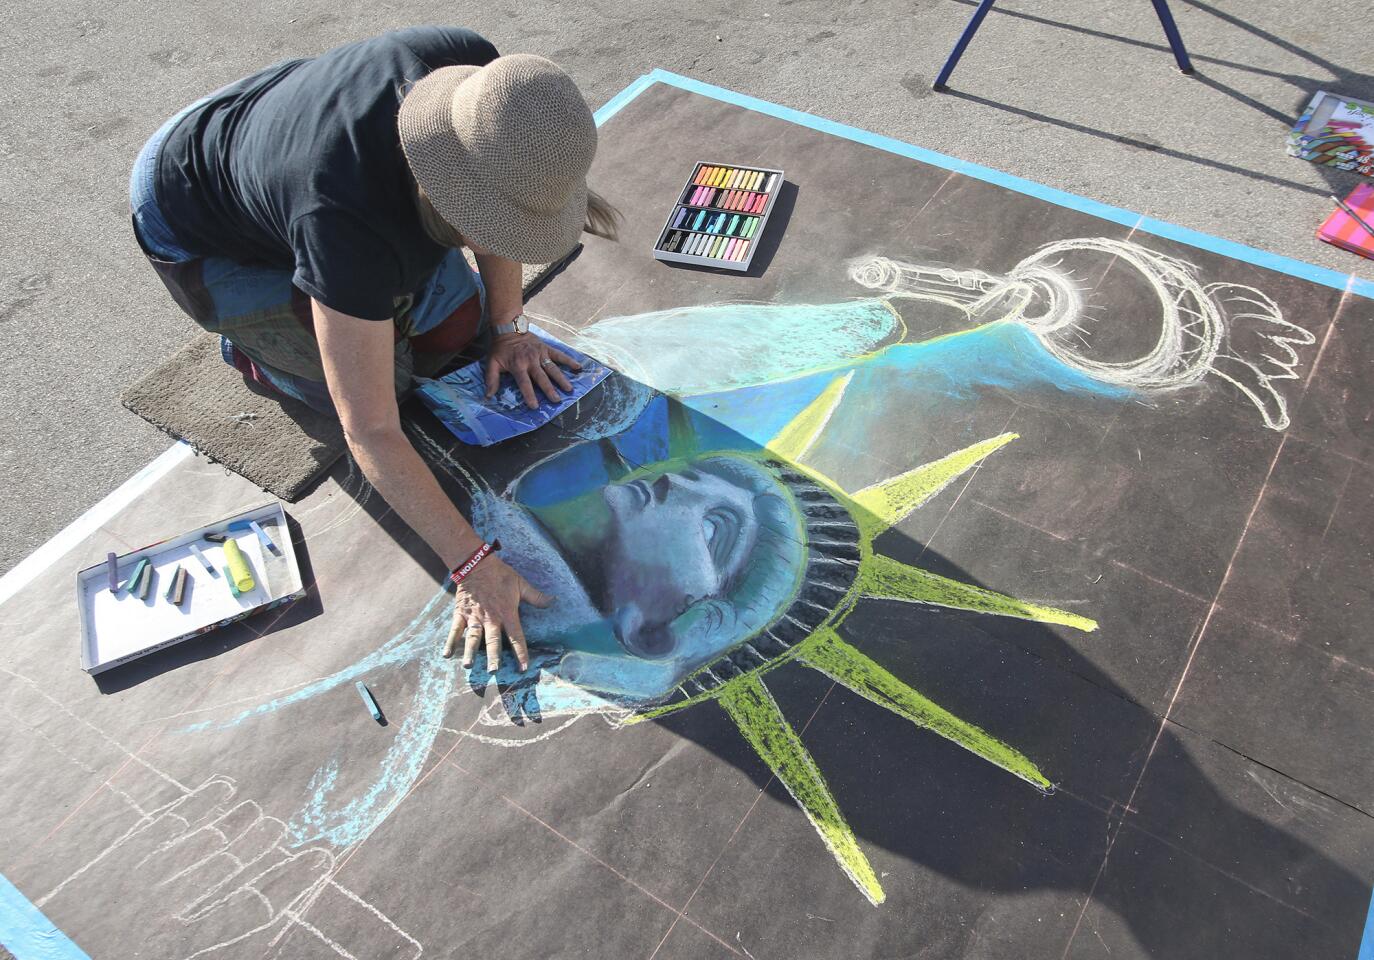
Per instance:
(533,363)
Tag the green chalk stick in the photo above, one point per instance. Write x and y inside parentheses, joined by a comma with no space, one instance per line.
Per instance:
(145,581)
(129,584)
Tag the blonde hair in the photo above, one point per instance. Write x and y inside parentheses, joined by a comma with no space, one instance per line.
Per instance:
(439,230)
(603,220)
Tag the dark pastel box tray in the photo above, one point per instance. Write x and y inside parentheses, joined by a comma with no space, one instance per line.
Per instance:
(671,256)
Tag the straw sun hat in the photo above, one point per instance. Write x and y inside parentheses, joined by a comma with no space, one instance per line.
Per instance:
(502,153)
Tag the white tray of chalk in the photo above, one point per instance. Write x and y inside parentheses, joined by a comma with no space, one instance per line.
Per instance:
(135,603)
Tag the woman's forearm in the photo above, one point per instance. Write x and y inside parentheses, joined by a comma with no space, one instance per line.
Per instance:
(358,365)
(502,279)
(405,481)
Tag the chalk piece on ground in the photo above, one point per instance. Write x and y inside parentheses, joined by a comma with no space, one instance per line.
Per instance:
(371,704)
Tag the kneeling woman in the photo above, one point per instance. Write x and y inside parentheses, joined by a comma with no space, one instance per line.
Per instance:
(313,214)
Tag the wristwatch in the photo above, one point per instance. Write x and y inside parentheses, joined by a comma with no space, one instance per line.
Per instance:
(518,325)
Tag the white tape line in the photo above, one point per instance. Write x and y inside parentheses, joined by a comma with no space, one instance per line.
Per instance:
(28,569)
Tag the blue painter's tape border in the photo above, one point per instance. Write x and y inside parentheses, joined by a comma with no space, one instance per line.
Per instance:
(612,106)
(1367,943)
(29,935)
(1126,218)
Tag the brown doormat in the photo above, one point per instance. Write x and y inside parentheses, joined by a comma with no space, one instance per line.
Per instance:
(279,443)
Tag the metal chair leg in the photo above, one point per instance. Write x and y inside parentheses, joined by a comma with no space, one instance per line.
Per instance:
(1166,19)
(974,23)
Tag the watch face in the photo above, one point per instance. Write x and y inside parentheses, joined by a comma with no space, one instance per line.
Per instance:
(520,324)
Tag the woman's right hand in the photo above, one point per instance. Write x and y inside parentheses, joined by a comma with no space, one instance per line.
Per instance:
(486,605)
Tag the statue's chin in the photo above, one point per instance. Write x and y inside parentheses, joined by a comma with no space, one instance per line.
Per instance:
(630,680)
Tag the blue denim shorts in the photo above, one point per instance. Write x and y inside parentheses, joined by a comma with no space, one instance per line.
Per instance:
(149,224)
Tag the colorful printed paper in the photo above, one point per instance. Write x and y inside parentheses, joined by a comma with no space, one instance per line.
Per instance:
(1336,131)
(459,399)
(1344,231)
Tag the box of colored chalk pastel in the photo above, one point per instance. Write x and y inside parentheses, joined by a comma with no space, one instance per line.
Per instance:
(133,604)
(719,216)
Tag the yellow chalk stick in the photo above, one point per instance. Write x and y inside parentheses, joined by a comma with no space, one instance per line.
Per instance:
(238,566)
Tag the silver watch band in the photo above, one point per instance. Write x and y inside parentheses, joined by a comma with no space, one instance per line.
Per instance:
(518,325)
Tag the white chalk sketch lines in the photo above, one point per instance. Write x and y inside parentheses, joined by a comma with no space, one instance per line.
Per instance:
(220,861)
(214,859)
(1230,331)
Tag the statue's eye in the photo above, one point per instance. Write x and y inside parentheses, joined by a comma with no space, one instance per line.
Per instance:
(720,529)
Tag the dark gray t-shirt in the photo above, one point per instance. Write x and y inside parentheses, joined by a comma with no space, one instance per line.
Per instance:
(300,167)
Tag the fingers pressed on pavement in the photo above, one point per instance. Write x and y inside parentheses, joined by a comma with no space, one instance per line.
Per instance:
(471,638)
(460,621)
(517,642)
(492,628)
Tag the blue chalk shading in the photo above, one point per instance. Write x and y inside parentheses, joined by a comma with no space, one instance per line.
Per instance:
(1127,218)
(1367,942)
(344,821)
(917,376)
(29,935)
(537,692)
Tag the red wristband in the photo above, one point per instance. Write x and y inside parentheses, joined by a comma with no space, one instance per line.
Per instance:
(468,565)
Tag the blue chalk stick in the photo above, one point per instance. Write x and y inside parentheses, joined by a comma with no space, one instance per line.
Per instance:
(253,525)
(201,557)
(262,536)
(368,702)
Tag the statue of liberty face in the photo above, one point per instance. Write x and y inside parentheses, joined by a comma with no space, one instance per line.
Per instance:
(687,537)
(686,560)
